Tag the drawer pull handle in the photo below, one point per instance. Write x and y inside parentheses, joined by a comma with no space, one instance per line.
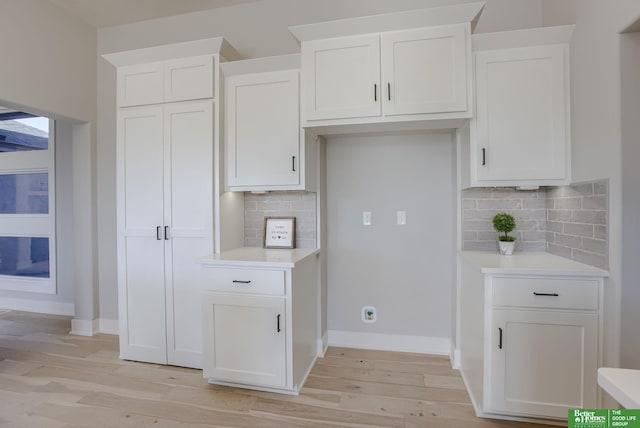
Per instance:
(158,228)
(545,294)
(278,323)
(237,281)
(500,338)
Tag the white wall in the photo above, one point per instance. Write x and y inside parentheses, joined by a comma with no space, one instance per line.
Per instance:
(48,61)
(255,30)
(404,271)
(596,136)
(630,292)
(49,68)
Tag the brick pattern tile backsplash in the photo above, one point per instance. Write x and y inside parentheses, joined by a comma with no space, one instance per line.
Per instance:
(577,222)
(481,204)
(301,205)
(569,221)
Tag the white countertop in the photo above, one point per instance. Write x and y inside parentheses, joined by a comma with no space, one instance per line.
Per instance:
(621,384)
(529,264)
(255,256)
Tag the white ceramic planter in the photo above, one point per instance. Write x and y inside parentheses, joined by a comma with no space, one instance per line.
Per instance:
(506,248)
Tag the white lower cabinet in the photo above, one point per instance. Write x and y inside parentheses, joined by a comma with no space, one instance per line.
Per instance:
(530,343)
(260,319)
(249,339)
(542,363)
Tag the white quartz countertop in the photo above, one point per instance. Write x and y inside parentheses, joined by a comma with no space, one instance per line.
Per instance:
(254,256)
(621,384)
(529,264)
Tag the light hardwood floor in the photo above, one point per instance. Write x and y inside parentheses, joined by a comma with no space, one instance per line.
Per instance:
(51,379)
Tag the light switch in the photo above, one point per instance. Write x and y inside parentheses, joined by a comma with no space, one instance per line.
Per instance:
(366,218)
(401,217)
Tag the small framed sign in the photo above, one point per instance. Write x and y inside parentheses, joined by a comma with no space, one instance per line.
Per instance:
(279,232)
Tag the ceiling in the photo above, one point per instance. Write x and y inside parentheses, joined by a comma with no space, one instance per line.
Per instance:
(107,13)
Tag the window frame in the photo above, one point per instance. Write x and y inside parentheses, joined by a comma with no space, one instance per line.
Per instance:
(32,225)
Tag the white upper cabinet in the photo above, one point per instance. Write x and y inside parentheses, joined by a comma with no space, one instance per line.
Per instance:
(521,133)
(265,147)
(168,81)
(425,70)
(342,77)
(413,72)
(407,70)
(263,129)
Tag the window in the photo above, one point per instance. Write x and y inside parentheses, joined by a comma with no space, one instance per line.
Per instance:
(27,203)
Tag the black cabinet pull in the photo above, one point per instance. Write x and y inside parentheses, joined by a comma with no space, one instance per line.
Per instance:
(375,92)
(166,233)
(278,323)
(237,281)
(389,91)
(545,294)
(500,338)
(158,237)
(293,163)
(484,157)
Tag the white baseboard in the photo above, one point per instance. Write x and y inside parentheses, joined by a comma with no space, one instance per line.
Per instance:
(38,306)
(92,327)
(455,359)
(108,326)
(390,342)
(323,344)
(84,327)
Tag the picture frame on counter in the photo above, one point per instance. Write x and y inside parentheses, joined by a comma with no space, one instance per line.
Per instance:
(279,232)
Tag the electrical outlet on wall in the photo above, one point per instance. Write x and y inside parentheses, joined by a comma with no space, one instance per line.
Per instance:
(369,314)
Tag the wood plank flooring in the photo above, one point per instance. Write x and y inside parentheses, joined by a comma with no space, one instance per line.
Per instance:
(51,379)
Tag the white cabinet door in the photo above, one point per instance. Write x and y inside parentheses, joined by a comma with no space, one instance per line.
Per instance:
(188,208)
(542,363)
(263,129)
(425,70)
(176,80)
(140,242)
(341,77)
(188,78)
(245,339)
(521,121)
(140,84)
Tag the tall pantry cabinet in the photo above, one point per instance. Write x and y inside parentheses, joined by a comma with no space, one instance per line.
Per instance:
(167,188)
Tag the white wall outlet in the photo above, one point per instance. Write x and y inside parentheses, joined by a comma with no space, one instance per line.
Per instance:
(369,314)
(366,218)
(401,218)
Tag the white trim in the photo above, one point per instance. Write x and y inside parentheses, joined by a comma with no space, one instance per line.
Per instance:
(108,326)
(455,359)
(84,327)
(38,306)
(391,342)
(323,344)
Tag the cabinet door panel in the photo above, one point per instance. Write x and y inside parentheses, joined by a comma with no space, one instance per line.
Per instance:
(140,245)
(140,84)
(188,129)
(188,79)
(242,341)
(521,111)
(342,77)
(547,363)
(425,70)
(263,129)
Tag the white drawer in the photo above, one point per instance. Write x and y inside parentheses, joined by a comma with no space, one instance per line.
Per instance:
(250,281)
(551,293)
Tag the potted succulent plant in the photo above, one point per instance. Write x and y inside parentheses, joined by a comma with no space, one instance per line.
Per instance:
(505,223)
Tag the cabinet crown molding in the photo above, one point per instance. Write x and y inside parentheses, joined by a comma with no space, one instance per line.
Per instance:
(430,17)
(560,34)
(211,46)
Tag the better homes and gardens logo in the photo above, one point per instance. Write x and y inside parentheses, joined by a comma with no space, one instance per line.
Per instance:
(603,418)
